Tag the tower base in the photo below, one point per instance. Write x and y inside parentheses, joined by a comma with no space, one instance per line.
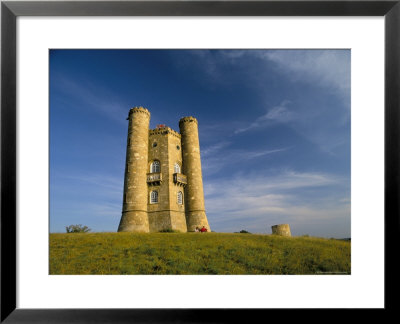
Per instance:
(168,219)
(134,221)
(197,219)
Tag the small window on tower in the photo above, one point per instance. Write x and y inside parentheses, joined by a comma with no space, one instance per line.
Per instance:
(155,167)
(178,147)
(154,197)
(177,168)
(180,198)
(154,144)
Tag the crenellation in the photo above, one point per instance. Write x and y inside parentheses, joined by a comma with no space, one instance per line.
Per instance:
(188,119)
(164,130)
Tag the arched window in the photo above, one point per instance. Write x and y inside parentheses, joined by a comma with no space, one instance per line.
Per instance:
(180,198)
(155,167)
(177,168)
(154,197)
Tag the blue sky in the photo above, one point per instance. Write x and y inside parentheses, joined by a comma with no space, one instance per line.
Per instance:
(274,129)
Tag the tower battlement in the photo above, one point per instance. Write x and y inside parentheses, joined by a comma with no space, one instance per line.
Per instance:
(163,187)
(139,109)
(188,119)
(164,130)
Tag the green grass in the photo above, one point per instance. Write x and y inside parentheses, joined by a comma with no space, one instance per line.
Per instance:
(195,253)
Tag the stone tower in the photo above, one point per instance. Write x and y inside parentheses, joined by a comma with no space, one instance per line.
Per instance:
(163,181)
(194,198)
(134,207)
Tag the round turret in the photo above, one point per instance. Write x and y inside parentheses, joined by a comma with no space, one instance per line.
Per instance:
(134,211)
(194,194)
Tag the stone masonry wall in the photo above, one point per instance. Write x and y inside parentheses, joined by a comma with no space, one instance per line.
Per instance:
(159,212)
(178,218)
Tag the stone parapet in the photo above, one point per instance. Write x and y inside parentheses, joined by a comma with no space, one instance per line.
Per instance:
(188,119)
(139,109)
(164,131)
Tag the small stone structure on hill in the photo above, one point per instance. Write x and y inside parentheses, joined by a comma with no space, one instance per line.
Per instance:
(282,230)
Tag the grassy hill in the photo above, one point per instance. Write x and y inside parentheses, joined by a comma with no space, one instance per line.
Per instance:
(196,253)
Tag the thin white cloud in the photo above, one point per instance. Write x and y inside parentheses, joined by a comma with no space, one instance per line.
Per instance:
(209,150)
(327,68)
(255,202)
(98,99)
(327,136)
(279,113)
(206,61)
(233,54)
(256,183)
(212,163)
(323,68)
(96,180)
(99,205)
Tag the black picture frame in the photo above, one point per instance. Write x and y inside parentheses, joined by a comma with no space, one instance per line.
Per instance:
(10,10)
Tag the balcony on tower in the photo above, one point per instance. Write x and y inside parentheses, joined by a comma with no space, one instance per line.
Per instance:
(180,179)
(154,178)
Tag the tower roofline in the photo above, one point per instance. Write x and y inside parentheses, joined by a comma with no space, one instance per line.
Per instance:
(188,119)
(164,130)
(139,109)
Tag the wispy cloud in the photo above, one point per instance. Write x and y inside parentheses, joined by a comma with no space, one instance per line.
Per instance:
(100,181)
(322,68)
(254,183)
(218,157)
(91,199)
(94,97)
(256,202)
(212,149)
(279,113)
(327,68)
(327,136)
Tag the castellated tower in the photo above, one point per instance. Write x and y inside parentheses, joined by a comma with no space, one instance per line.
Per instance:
(163,182)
